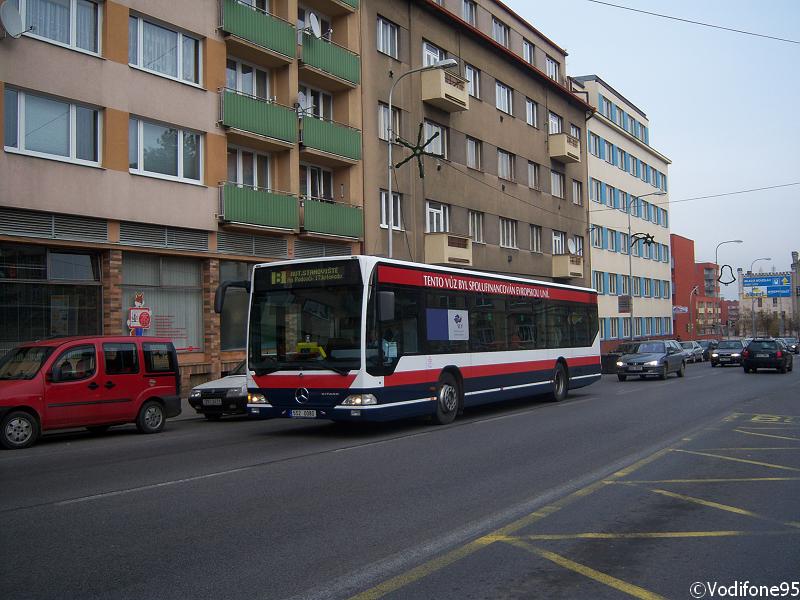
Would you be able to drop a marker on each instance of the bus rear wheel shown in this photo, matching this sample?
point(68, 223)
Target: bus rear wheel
point(447, 399)
point(560, 384)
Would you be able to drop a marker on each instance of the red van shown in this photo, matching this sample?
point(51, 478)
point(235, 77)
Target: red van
point(92, 382)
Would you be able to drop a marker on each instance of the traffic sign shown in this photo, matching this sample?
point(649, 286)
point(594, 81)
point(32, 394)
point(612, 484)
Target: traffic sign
point(767, 286)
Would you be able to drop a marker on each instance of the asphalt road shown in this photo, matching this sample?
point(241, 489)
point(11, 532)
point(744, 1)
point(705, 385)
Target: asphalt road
point(624, 489)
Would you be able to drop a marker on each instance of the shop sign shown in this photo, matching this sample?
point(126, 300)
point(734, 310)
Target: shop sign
point(139, 316)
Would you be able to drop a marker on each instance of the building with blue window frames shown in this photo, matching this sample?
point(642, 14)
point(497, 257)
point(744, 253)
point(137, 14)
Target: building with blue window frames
point(628, 195)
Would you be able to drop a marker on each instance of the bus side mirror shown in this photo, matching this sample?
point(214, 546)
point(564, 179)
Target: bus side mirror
point(385, 306)
point(219, 296)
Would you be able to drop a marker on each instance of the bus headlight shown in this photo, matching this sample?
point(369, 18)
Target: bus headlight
point(255, 398)
point(360, 400)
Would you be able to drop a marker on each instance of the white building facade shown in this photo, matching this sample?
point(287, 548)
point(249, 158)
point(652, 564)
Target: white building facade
point(629, 218)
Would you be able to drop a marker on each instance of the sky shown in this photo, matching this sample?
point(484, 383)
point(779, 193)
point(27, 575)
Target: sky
point(723, 106)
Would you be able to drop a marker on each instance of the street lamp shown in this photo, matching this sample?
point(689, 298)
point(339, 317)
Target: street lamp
point(439, 64)
point(717, 323)
point(630, 259)
point(753, 301)
point(692, 320)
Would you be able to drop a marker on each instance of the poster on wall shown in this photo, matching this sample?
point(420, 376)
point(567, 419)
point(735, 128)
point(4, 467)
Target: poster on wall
point(139, 316)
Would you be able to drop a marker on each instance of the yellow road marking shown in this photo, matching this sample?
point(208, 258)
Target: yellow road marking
point(726, 507)
point(740, 460)
point(652, 535)
point(768, 435)
point(436, 564)
point(750, 448)
point(762, 418)
point(605, 579)
point(708, 480)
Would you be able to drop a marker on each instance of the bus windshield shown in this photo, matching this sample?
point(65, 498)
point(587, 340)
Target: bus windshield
point(306, 316)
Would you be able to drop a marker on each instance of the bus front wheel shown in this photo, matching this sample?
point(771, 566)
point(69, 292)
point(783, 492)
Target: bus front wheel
point(447, 399)
point(560, 383)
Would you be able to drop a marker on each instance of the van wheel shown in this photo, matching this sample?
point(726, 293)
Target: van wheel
point(19, 429)
point(447, 399)
point(151, 417)
point(98, 428)
point(560, 383)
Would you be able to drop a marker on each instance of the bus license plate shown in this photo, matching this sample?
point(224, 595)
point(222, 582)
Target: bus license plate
point(303, 414)
point(212, 401)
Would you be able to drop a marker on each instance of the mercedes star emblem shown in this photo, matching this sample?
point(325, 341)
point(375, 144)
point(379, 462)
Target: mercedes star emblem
point(301, 395)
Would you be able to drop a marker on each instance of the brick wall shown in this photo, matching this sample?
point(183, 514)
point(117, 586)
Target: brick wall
point(113, 322)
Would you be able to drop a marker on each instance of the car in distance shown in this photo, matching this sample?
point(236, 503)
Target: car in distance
point(656, 358)
point(792, 344)
point(708, 347)
point(728, 352)
point(694, 351)
point(93, 382)
point(225, 396)
point(766, 353)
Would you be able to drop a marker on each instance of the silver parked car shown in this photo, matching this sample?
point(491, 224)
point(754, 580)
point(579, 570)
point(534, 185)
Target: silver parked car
point(694, 351)
point(225, 396)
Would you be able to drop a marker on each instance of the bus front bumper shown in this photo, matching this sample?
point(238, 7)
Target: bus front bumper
point(375, 412)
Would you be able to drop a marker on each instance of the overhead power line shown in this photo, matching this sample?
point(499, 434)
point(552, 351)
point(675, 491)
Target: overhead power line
point(653, 14)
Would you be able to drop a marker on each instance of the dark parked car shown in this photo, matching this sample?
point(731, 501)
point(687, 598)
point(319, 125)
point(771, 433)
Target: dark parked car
point(708, 347)
point(728, 352)
point(651, 358)
point(694, 351)
point(792, 344)
point(766, 353)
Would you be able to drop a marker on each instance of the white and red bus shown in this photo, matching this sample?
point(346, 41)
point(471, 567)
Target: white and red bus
point(367, 338)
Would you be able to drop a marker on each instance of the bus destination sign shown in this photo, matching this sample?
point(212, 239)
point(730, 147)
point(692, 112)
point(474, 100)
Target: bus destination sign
point(308, 275)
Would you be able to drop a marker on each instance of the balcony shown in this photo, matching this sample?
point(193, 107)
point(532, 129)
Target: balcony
point(567, 266)
point(329, 143)
point(448, 249)
point(257, 123)
point(328, 65)
point(251, 207)
point(257, 36)
point(564, 148)
point(445, 90)
point(333, 218)
point(333, 8)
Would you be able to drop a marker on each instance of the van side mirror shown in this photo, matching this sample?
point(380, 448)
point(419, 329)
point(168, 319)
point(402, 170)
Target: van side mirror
point(385, 306)
point(219, 295)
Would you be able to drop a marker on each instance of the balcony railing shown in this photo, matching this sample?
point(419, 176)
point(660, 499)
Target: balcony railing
point(258, 207)
point(445, 90)
point(564, 147)
point(331, 58)
point(258, 27)
point(331, 137)
point(258, 116)
point(568, 266)
point(333, 218)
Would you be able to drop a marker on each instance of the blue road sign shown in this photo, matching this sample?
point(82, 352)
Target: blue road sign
point(767, 286)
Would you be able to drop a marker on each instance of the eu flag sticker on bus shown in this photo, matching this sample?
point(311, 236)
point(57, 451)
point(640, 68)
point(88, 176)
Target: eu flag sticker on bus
point(447, 325)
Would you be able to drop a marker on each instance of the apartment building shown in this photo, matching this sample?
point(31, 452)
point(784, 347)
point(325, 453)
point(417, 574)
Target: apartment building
point(695, 293)
point(629, 218)
point(153, 148)
point(508, 194)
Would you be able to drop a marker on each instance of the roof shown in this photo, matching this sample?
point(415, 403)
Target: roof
point(443, 12)
point(597, 78)
point(516, 15)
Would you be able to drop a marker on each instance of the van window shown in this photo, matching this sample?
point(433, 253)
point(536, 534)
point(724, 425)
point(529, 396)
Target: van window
point(158, 358)
point(121, 359)
point(75, 364)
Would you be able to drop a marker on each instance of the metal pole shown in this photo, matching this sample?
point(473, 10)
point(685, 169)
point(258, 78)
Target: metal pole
point(630, 267)
point(717, 325)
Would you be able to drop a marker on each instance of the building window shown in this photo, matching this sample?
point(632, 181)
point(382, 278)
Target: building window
point(70, 23)
point(439, 144)
point(575, 131)
point(557, 184)
point(248, 168)
point(431, 54)
point(637, 286)
point(578, 240)
point(623, 243)
point(172, 290)
point(315, 103)
point(611, 195)
point(536, 238)
point(505, 165)
point(605, 107)
point(246, 79)
point(164, 151)
point(555, 123)
point(597, 236)
point(527, 51)
point(531, 112)
point(438, 217)
point(500, 32)
point(470, 12)
point(388, 128)
point(387, 37)
point(647, 283)
point(233, 320)
point(626, 327)
point(599, 280)
point(533, 176)
point(603, 330)
point(594, 144)
point(559, 242)
point(474, 153)
point(595, 190)
point(577, 192)
point(621, 158)
point(552, 68)
point(49, 128)
point(397, 220)
point(163, 51)
point(614, 324)
point(316, 183)
point(612, 240)
point(476, 226)
point(508, 233)
point(473, 77)
point(626, 284)
point(609, 152)
point(504, 98)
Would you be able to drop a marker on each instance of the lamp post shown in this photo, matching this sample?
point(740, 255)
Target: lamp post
point(753, 300)
point(692, 323)
point(439, 64)
point(717, 323)
point(630, 259)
